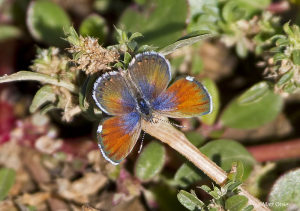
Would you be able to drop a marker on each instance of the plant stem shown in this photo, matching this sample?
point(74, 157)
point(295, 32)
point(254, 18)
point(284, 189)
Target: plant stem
point(177, 140)
point(33, 76)
point(276, 151)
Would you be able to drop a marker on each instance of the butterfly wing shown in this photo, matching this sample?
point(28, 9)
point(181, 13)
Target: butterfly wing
point(118, 135)
point(151, 73)
point(112, 94)
point(186, 97)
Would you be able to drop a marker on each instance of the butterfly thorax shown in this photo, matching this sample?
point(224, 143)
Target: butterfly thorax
point(144, 108)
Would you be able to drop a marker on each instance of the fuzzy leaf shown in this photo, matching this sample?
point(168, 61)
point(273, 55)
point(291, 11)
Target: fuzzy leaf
point(7, 179)
point(195, 138)
point(187, 175)
point(285, 193)
point(189, 201)
point(150, 162)
point(224, 152)
point(46, 20)
point(162, 22)
point(189, 39)
point(296, 57)
point(94, 26)
point(255, 93)
point(285, 77)
point(9, 32)
point(33, 76)
point(237, 171)
point(42, 96)
point(212, 88)
point(252, 115)
point(236, 203)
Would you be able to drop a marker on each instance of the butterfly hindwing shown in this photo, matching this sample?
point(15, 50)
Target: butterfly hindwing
point(151, 73)
point(118, 135)
point(186, 97)
point(112, 94)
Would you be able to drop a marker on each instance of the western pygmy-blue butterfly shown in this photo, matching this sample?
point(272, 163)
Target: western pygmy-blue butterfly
point(141, 92)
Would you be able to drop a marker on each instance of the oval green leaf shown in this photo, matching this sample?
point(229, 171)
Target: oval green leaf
point(189, 200)
point(285, 193)
point(46, 20)
point(94, 26)
point(42, 96)
point(189, 39)
point(236, 203)
point(255, 93)
point(7, 180)
point(162, 22)
point(224, 152)
point(252, 115)
point(150, 162)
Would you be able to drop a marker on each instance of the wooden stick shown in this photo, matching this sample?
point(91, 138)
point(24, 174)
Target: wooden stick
point(166, 133)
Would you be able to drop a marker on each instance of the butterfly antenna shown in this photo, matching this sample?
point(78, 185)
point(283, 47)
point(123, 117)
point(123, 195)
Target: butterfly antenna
point(141, 146)
point(167, 121)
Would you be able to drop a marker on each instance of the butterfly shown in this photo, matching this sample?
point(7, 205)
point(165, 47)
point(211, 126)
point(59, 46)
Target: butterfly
point(139, 93)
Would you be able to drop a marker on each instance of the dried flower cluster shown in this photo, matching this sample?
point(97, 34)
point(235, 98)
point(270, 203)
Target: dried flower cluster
point(91, 57)
point(51, 62)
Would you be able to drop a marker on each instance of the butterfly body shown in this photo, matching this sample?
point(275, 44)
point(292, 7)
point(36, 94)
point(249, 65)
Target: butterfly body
point(141, 93)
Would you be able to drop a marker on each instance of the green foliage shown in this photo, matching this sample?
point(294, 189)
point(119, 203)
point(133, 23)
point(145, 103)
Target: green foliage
point(94, 26)
point(45, 21)
point(222, 152)
point(150, 162)
point(223, 198)
point(256, 107)
point(285, 192)
point(185, 41)
point(9, 32)
point(189, 200)
point(7, 180)
point(43, 96)
point(161, 22)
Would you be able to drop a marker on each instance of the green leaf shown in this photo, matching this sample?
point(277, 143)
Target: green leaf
point(185, 41)
point(187, 175)
point(195, 138)
point(46, 20)
point(127, 58)
point(94, 26)
point(252, 115)
point(33, 76)
point(285, 193)
point(42, 96)
point(237, 171)
point(150, 162)
point(165, 197)
point(161, 22)
point(212, 88)
point(255, 93)
point(236, 203)
point(296, 56)
point(224, 152)
point(197, 65)
point(189, 201)
point(285, 77)
point(7, 180)
point(9, 32)
point(86, 102)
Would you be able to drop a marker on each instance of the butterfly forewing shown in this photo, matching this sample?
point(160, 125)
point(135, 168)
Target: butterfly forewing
point(118, 135)
point(112, 94)
point(151, 74)
point(186, 97)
